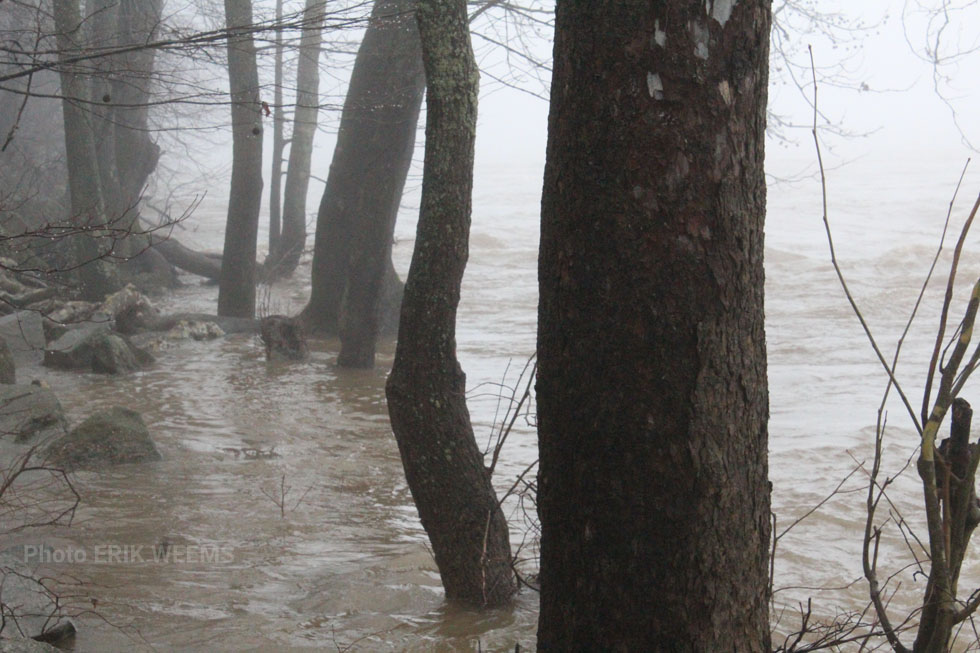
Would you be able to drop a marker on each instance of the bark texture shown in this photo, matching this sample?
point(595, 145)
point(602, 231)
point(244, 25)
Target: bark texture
point(426, 389)
point(652, 394)
point(356, 220)
point(236, 289)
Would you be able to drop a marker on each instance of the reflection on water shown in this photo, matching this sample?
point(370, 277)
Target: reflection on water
point(289, 473)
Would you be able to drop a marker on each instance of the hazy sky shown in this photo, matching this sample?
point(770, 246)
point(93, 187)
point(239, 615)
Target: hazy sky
point(898, 117)
point(900, 105)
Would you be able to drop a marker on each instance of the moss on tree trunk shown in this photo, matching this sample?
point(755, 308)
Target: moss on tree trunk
point(426, 389)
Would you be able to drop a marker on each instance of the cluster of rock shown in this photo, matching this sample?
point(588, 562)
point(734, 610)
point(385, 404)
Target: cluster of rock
point(112, 337)
point(32, 416)
point(77, 336)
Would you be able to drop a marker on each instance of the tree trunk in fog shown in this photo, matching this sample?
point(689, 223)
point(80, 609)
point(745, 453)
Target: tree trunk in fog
point(426, 389)
point(652, 396)
point(293, 239)
point(370, 274)
point(93, 243)
point(355, 224)
point(236, 290)
point(101, 26)
point(278, 147)
point(136, 153)
point(127, 155)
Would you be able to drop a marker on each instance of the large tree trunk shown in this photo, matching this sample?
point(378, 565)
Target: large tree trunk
point(127, 154)
point(370, 274)
point(367, 176)
point(652, 396)
point(293, 239)
point(93, 242)
point(236, 290)
point(426, 388)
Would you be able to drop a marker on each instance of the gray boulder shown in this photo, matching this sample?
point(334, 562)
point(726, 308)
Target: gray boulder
point(95, 347)
point(8, 371)
point(110, 437)
point(30, 609)
point(24, 645)
point(72, 350)
point(24, 333)
point(112, 355)
point(29, 413)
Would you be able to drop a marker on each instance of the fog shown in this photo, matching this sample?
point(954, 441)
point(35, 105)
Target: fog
point(345, 561)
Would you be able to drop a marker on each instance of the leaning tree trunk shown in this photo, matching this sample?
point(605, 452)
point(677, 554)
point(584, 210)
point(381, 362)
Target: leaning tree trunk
point(369, 272)
point(426, 389)
point(652, 395)
point(374, 151)
point(293, 238)
point(92, 242)
point(236, 290)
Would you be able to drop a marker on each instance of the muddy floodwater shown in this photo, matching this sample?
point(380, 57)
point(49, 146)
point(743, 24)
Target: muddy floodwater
point(280, 519)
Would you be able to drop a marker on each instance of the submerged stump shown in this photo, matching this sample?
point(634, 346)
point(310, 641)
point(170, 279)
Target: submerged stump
point(284, 338)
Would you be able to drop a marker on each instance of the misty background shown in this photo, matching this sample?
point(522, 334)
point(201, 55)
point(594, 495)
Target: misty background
point(897, 125)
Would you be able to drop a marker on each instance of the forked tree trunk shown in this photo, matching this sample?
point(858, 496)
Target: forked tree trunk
point(426, 388)
point(130, 150)
point(293, 238)
point(236, 290)
point(136, 153)
point(652, 395)
point(367, 176)
point(91, 244)
point(370, 274)
point(954, 463)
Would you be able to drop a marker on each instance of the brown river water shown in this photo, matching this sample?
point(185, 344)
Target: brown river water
point(344, 564)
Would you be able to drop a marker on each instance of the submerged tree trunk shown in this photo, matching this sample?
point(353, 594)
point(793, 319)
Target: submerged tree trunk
point(426, 389)
point(293, 238)
point(370, 273)
point(652, 396)
point(367, 176)
point(93, 242)
point(236, 290)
